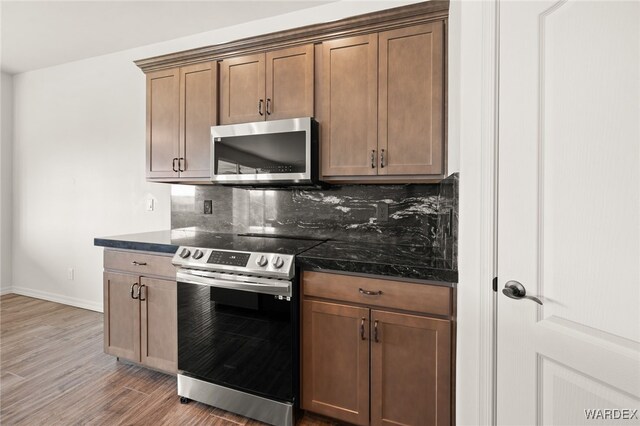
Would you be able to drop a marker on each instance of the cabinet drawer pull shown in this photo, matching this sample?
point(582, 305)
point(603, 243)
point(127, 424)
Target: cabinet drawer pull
point(369, 292)
point(362, 329)
point(375, 331)
point(132, 286)
point(181, 164)
point(140, 293)
point(136, 263)
point(173, 166)
point(268, 106)
point(260, 107)
point(382, 158)
point(373, 158)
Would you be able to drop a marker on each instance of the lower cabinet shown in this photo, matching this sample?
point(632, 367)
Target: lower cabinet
point(335, 361)
point(140, 312)
point(367, 365)
point(159, 324)
point(410, 369)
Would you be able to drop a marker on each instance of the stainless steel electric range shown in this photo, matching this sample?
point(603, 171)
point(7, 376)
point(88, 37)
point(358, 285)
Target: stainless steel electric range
point(238, 331)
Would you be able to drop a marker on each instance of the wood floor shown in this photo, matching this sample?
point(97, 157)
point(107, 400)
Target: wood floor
point(53, 372)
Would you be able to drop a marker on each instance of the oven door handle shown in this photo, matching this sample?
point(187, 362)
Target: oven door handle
point(277, 288)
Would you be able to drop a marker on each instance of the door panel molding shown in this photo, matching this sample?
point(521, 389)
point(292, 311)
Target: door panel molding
point(541, 132)
point(566, 140)
point(555, 332)
point(555, 374)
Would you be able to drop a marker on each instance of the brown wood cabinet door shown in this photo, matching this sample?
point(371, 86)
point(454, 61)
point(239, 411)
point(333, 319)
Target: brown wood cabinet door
point(159, 324)
point(349, 102)
point(410, 370)
point(289, 83)
point(335, 361)
point(198, 112)
point(242, 89)
point(163, 124)
point(411, 96)
point(121, 316)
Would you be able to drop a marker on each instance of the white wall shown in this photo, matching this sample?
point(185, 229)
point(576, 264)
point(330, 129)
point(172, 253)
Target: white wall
point(6, 143)
point(79, 159)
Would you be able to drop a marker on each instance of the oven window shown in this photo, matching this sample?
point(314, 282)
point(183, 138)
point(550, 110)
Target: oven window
point(236, 339)
point(260, 154)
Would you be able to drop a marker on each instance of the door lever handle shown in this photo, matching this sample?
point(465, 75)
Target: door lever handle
point(515, 290)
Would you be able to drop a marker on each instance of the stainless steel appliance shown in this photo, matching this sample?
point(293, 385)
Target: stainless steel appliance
point(238, 332)
point(279, 152)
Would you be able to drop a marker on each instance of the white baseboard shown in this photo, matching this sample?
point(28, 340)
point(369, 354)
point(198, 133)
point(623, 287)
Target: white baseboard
point(58, 298)
point(6, 290)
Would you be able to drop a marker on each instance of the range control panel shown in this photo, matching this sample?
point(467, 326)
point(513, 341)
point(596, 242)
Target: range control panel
point(258, 264)
point(229, 258)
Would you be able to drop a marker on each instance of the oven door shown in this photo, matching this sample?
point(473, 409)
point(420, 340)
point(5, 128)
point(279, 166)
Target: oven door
point(237, 337)
point(269, 152)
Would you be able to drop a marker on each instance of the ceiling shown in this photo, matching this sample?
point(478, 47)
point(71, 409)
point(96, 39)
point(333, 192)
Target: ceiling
point(38, 34)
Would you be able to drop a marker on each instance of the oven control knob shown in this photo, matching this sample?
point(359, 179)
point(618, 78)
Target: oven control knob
point(262, 260)
point(277, 262)
point(185, 253)
point(198, 254)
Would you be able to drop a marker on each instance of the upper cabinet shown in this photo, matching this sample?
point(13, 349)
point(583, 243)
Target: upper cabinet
point(267, 86)
point(411, 101)
point(181, 108)
point(163, 123)
point(375, 83)
point(383, 106)
point(349, 106)
point(242, 82)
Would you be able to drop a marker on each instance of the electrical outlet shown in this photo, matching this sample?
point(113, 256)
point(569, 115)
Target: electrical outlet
point(70, 274)
point(151, 204)
point(382, 212)
point(208, 206)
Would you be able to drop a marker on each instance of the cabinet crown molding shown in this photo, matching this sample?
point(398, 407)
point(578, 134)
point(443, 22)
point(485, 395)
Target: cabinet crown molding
point(317, 33)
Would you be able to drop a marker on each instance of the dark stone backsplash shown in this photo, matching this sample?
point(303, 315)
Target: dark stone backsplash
point(424, 215)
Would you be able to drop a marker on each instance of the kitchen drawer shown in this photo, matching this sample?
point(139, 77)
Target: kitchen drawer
point(140, 263)
point(423, 298)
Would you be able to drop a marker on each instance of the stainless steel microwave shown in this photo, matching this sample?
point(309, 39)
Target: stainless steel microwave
point(273, 153)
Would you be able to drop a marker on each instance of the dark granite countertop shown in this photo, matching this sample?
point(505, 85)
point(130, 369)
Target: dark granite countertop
point(169, 241)
point(157, 241)
point(401, 261)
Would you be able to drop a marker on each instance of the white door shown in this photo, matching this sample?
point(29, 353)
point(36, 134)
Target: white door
point(569, 212)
